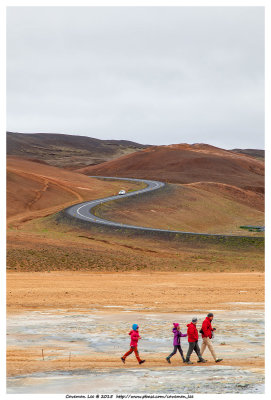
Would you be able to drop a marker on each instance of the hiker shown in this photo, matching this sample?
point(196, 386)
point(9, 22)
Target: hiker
point(134, 339)
point(193, 338)
point(177, 342)
point(207, 334)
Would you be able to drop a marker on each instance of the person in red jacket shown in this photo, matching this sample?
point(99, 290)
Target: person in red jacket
point(133, 344)
point(207, 334)
point(193, 338)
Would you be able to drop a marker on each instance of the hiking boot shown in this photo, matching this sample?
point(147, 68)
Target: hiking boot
point(123, 360)
point(188, 362)
point(142, 361)
point(219, 359)
point(168, 360)
point(202, 360)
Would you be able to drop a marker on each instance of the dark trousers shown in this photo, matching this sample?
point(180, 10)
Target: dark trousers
point(177, 347)
point(193, 346)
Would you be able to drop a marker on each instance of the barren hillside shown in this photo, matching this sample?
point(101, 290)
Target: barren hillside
point(183, 163)
point(35, 189)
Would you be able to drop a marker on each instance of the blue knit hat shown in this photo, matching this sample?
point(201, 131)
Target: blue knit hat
point(135, 326)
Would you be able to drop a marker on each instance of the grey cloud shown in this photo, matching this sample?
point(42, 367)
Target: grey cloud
point(155, 75)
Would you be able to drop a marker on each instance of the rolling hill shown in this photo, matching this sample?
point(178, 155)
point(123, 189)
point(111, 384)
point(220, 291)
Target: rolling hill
point(184, 163)
point(35, 190)
point(195, 207)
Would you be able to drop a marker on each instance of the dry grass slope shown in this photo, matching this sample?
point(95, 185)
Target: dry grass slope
point(198, 207)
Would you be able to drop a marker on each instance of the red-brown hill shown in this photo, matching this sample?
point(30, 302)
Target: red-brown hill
point(184, 163)
point(35, 190)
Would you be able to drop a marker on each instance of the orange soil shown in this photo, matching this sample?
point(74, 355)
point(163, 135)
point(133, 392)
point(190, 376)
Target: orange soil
point(185, 163)
point(21, 361)
point(161, 291)
point(35, 190)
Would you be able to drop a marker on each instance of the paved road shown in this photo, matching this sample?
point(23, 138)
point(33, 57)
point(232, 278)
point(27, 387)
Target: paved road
point(83, 211)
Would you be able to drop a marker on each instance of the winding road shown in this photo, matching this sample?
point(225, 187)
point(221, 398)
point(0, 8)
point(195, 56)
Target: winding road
point(84, 211)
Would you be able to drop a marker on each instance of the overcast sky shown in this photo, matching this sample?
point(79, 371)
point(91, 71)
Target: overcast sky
point(154, 75)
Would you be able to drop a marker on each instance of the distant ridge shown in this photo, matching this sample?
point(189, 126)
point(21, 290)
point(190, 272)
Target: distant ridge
point(68, 151)
point(251, 152)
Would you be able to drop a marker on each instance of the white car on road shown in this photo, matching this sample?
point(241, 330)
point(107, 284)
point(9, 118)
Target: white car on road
point(122, 192)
